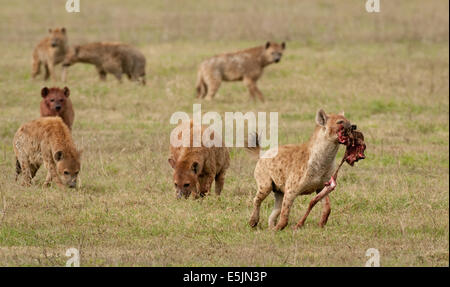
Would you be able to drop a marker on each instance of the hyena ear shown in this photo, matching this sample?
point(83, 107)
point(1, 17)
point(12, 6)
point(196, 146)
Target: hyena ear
point(63, 30)
point(321, 118)
point(267, 45)
point(283, 45)
point(77, 50)
point(44, 92)
point(342, 114)
point(171, 162)
point(195, 167)
point(50, 30)
point(58, 155)
point(66, 91)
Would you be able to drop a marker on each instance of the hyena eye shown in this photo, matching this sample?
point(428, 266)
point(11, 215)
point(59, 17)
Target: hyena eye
point(340, 122)
point(176, 185)
point(66, 172)
point(52, 100)
point(186, 185)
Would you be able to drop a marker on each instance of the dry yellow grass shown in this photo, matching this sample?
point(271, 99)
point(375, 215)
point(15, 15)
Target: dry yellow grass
point(389, 73)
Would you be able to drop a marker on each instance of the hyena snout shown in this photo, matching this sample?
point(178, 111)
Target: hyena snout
point(72, 183)
point(183, 190)
point(277, 57)
point(183, 193)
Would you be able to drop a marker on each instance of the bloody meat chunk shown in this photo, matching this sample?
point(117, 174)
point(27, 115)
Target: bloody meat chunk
point(354, 142)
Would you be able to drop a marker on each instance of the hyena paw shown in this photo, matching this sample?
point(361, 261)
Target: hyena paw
point(253, 222)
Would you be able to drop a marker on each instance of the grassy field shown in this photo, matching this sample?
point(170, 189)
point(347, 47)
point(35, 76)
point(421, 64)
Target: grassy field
point(389, 72)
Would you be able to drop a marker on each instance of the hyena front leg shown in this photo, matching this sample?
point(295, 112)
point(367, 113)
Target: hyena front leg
point(212, 86)
point(101, 74)
point(253, 88)
point(118, 76)
point(205, 184)
point(258, 93)
point(47, 71)
point(33, 169)
point(114, 67)
point(51, 174)
point(36, 70)
point(326, 211)
point(51, 70)
point(48, 179)
point(323, 193)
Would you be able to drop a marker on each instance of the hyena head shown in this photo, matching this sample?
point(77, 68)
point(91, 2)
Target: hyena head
point(334, 126)
point(68, 166)
point(58, 37)
point(71, 56)
point(273, 52)
point(55, 99)
point(185, 178)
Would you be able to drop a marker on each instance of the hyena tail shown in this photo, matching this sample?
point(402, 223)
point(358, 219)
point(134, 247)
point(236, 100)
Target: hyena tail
point(201, 86)
point(18, 168)
point(252, 144)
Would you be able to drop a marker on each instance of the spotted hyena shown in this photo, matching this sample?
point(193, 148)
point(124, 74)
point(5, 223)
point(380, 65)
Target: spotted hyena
point(56, 102)
point(50, 52)
point(109, 57)
point(246, 65)
point(195, 168)
point(46, 141)
point(299, 170)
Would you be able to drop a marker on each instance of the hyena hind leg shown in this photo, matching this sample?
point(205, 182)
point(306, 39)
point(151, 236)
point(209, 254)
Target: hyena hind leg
point(18, 169)
point(142, 80)
point(264, 189)
point(201, 88)
point(220, 180)
point(276, 209)
point(25, 170)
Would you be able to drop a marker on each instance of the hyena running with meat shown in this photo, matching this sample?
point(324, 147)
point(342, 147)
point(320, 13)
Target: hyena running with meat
point(299, 170)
